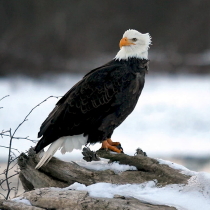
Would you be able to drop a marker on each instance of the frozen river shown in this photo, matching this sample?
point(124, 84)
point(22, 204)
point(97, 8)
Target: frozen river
point(172, 116)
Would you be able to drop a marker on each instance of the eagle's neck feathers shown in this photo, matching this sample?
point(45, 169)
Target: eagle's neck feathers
point(124, 54)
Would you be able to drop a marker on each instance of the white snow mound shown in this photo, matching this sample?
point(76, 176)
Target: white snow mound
point(192, 196)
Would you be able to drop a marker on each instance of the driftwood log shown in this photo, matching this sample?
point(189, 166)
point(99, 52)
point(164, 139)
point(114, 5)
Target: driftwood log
point(61, 174)
point(47, 198)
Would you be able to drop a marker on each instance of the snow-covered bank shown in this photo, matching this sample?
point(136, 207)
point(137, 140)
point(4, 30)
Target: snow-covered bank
point(171, 117)
point(191, 196)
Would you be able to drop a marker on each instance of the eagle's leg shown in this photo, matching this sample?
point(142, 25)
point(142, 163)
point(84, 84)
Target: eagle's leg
point(106, 146)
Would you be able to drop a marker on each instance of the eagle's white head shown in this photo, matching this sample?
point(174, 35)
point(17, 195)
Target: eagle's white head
point(134, 44)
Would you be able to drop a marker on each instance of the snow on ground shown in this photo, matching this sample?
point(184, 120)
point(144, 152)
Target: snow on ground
point(104, 165)
point(182, 197)
point(22, 200)
point(171, 117)
point(193, 196)
point(176, 166)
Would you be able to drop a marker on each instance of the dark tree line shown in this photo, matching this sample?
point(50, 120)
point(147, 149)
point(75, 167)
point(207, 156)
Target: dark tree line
point(39, 36)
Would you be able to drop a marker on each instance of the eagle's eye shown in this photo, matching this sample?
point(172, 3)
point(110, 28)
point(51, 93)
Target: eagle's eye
point(134, 39)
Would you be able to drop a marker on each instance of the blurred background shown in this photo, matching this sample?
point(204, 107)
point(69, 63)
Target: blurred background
point(54, 36)
point(46, 46)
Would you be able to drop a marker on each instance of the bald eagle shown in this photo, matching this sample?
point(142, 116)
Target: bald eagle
point(91, 110)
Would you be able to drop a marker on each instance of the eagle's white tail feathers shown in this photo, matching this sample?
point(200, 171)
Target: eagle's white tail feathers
point(66, 144)
point(73, 142)
point(50, 152)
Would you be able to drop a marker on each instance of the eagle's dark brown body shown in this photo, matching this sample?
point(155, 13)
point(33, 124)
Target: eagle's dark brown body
point(97, 104)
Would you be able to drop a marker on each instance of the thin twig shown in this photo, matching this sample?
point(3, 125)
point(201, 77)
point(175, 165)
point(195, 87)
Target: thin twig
point(1, 181)
point(4, 97)
point(14, 164)
point(18, 184)
point(25, 119)
point(7, 169)
point(5, 131)
point(3, 196)
point(11, 158)
point(26, 138)
point(11, 148)
point(8, 178)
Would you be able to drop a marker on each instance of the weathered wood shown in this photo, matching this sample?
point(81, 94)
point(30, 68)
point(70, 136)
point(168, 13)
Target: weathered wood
point(61, 174)
point(73, 199)
point(58, 173)
point(12, 205)
point(148, 168)
point(26, 184)
point(48, 198)
point(34, 177)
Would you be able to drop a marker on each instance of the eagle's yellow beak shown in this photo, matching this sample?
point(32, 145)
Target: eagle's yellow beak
point(125, 42)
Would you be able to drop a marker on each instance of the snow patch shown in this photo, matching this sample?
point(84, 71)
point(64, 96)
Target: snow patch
point(22, 200)
point(193, 196)
point(176, 166)
point(104, 164)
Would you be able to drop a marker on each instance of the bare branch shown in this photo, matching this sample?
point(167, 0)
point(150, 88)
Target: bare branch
point(12, 156)
point(8, 164)
point(26, 138)
point(9, 148)
point(3, 132)
point(1, 181)
point(8, 178)
point(17, 187)
point(25, 119)
point(4, 97)
point(3, 196)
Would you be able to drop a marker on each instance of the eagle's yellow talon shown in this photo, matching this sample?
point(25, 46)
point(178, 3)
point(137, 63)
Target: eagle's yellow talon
point(109, 145)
